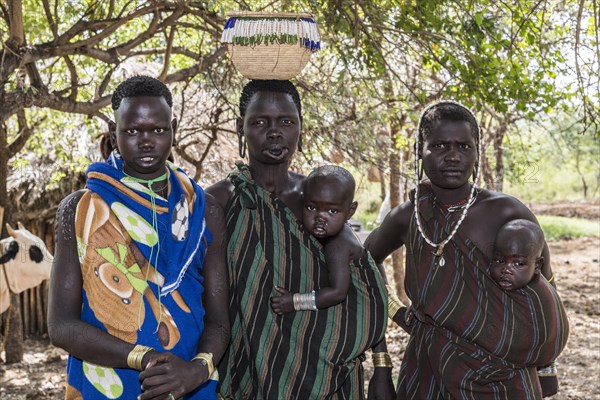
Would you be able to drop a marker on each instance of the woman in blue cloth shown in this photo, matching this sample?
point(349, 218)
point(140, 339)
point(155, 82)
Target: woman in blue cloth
point(139, 280)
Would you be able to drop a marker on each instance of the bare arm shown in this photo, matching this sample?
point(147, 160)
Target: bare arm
point(381, 243)
point(216, 333)
point(337, 257)
point(65, 327)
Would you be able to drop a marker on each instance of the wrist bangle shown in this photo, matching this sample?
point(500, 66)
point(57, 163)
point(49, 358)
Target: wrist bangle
point(207, 360)
point(135, 356)
point(393, 305)
point(382, 360)
point(305, 301)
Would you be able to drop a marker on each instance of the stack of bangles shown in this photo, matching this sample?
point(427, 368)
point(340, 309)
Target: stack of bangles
point(135, 356)
point(305, 301)
point(382, 360)
point(393, 302)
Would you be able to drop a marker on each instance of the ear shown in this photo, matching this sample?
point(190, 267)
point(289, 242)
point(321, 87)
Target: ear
point(112, 133)
point(539, 262)
point(352, 209)
point(174, 125)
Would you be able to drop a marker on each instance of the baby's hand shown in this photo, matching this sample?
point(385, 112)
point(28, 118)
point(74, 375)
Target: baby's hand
point(284, 303)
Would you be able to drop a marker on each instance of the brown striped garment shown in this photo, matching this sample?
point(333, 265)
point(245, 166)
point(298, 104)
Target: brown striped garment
point(300, 355)
point(470, 339)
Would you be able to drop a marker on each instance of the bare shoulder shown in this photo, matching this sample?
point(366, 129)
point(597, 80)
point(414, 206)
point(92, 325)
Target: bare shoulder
point(392, 233)
point(220, 192)
point(504, 206)
point(214, 211)
point(65, 217)
point(345, 242)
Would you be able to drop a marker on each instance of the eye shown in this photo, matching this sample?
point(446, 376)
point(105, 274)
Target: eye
point(259, 122)
point(131, 132)
point(333, 211)
point(287, 122)
point(465, 146)
point(160, 131)
point(35, 253)
point(437, 146)
point(310, 207)
point(498, 260)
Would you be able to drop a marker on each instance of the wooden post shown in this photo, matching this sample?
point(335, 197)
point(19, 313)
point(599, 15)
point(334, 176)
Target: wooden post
point(1, 217)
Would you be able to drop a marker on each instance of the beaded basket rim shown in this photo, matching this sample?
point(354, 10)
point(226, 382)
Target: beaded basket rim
point(254, 14)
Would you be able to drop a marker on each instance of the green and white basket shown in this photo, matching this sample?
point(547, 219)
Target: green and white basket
point(270, 45)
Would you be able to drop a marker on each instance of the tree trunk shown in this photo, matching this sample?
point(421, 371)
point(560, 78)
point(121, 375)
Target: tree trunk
point(395, 161)
point(13, 342)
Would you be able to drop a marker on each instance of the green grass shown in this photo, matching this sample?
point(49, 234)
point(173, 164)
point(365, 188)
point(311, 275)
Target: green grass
point(557, 228)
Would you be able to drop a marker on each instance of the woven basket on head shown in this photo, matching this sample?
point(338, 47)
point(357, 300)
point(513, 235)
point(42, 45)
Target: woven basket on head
point(270, 45)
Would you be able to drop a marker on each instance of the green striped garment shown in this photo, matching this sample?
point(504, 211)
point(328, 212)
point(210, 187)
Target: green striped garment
point(305, 354)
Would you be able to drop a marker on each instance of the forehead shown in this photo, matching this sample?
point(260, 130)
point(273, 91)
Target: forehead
point(518, 242)
point(327, 190)
point(145, 107)
point(271, 102)
point(451, 130)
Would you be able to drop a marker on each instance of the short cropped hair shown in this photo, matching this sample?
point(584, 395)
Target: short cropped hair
point(533, 230)
point(445, 110)
point(139, 86)
point(256, 86)
point(336, 174)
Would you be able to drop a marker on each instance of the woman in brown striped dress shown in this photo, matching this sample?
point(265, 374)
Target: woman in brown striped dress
point(468, 339)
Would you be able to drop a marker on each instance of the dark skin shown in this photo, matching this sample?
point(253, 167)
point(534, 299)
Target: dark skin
point(327, 207)
point(449, 154)
point(516, 260)
point(272, 122)
point(144, 132)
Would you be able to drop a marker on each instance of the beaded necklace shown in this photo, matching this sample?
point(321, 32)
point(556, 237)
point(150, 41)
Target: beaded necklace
point(439, 247)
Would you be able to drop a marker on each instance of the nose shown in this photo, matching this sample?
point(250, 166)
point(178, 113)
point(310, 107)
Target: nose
point(145, 141)
point(506, 269)
point(274, 131)
point(452, 154)
point(319, 217)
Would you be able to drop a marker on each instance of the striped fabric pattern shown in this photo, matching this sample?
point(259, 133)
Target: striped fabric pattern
point(301, 355)
point(471, 339)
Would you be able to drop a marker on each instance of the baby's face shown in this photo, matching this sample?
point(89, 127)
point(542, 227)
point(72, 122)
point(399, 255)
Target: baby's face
point(514, 264)
point(325, 210)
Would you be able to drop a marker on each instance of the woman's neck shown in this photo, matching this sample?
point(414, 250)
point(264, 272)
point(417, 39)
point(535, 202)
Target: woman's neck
point(274, 178)
point(452, 196)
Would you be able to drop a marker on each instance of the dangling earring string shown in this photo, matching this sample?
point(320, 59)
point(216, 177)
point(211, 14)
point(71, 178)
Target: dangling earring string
point(439, 247)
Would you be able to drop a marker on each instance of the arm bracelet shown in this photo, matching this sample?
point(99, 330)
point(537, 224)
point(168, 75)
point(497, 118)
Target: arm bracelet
point(382, 360)
point(207, 360)
point(305, 301)
point(135, 356)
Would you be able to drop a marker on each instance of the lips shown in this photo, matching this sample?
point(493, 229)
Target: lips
point(505, 283)
point(319, 230)
point(276, 151)
point(146, 159)
point(452, 172)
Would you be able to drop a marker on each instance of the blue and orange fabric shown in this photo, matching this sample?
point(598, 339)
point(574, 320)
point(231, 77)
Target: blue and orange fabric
point(300, 355)
point(141, 271)
point(470, 339)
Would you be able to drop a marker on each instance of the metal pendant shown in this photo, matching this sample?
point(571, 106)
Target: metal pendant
point(442, 261)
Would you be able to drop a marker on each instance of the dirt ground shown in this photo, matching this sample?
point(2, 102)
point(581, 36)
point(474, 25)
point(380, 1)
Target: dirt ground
point(577, 270)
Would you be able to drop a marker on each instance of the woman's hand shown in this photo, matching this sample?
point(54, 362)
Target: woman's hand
point(166, 373)
point(284, 303)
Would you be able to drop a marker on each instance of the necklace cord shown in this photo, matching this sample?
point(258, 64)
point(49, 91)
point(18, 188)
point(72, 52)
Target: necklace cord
point(153, 194)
